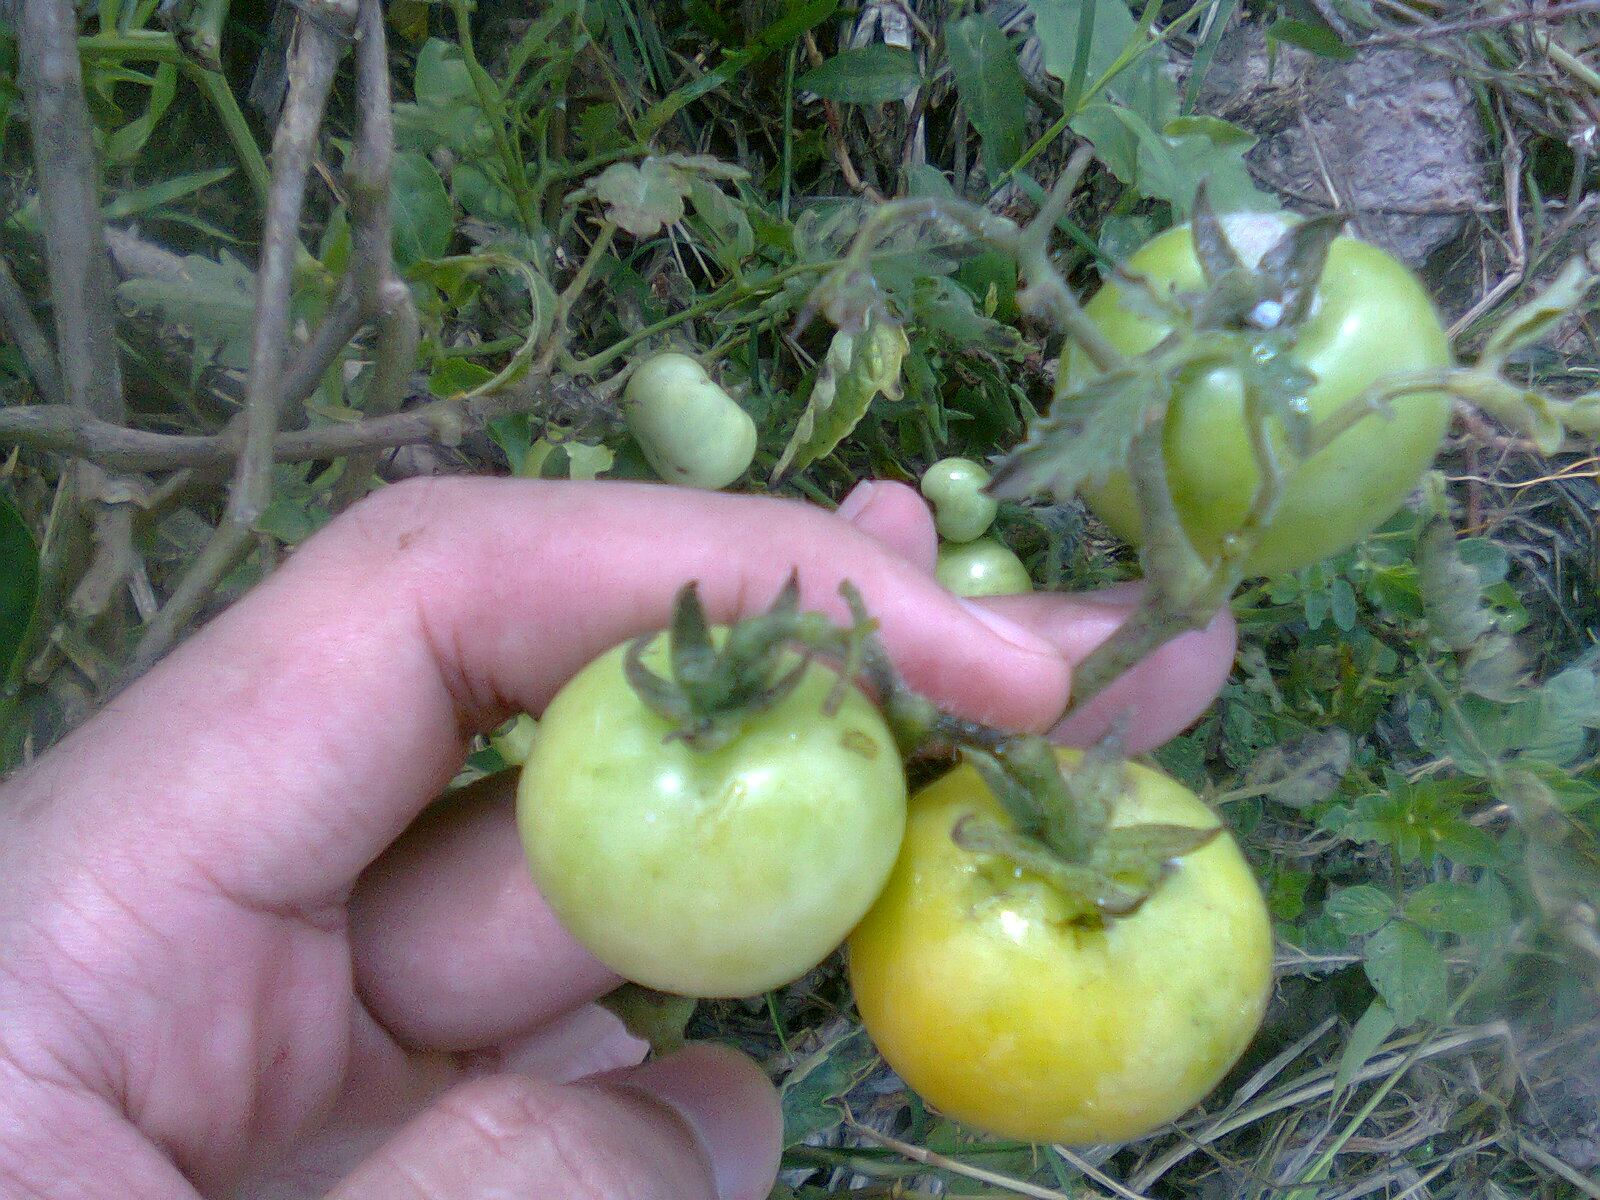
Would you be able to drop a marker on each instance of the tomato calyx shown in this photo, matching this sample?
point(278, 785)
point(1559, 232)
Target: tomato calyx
point(713, 687)
point(1059, 827)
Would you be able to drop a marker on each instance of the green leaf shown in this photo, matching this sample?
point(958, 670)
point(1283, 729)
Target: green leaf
point(1376, 1024)
point(875, 74)
point(1408, 972)
point(859, 365)
point(138, 201)
point(1418, 821)
point(722, 222)
point(126, 143)
point(991, 87)
point(1462, 908)
point(19, 584)
point(441, 76)
point(420, 210)
point(1360, 910)
point(1312, 36)
point(1170, 161)
point(1085, 436)
point(1084, 41)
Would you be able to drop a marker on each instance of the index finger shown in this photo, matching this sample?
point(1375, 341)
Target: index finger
point(283, 747)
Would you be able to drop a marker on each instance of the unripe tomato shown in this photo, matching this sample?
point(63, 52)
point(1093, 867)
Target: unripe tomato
point(1003, 1012)
point(1370, 318)
point(962, 510)
point(981, 568)
point(721, 872)
point(691, 431)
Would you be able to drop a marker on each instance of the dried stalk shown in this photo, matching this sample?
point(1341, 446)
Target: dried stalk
point(378, 287)
point(318, 46)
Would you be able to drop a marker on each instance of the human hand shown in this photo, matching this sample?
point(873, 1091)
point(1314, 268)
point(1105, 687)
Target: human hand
point(238, 958)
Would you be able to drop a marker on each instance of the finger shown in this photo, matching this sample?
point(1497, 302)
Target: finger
point(896, 516)
point(453, 948)
point(294, 738)
point(702, 1123)
point(1159, 697)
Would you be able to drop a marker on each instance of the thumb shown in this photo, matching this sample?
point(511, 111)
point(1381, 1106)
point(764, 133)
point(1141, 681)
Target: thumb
point(700, 1123)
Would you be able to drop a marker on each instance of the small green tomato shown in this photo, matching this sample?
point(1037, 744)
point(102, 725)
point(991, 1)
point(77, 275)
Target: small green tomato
point(691, 431)
point(961, 509)
point(981, 568)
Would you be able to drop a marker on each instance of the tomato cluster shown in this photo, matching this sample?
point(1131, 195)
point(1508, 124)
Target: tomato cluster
point(732, 868)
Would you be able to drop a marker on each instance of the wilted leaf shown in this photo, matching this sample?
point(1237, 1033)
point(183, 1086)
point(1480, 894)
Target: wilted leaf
point(723, 220)
point(640, 198)
point(1451, 594)
point(860, 364)
point(1533, 320)
point(1085, 436)
point(1303, 772)
point(810, 1092)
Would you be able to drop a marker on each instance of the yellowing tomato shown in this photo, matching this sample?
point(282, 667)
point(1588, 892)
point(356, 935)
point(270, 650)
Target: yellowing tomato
point(1371, 318)
point(1002, 1013)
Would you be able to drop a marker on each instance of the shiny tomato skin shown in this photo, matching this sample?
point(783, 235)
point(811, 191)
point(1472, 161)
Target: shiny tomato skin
point(709, 873)
point(984, 567)
point(1006, 1017)
point(1371, 319)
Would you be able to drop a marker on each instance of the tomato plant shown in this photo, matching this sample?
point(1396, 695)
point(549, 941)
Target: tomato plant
point(713, 859)
point(983, 567)
point(1007, 1007)
point(691, 431)
point(1369, 318)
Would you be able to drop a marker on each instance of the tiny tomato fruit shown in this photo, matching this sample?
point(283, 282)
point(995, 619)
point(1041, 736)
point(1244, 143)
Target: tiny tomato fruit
point(1004, 1013)
point(981, 568)
point(962, 510)
point(691, 431)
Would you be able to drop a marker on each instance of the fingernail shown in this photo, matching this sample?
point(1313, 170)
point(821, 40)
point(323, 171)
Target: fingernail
point(1008, 630)
point(731, 1107)
point(856, 502)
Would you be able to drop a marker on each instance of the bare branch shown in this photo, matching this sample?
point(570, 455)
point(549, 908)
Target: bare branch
point(16, 318)
point(318, 45)
point(377, 284)
point(81, 281)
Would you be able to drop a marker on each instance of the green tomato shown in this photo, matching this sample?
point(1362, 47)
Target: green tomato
point(710, 873)
point(691, 431)
point(1370, 318)
point(981, 568)
point(962, 510)
point(1003, 1012)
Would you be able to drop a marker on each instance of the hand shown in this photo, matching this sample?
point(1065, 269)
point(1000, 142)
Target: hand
point(238, 957)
